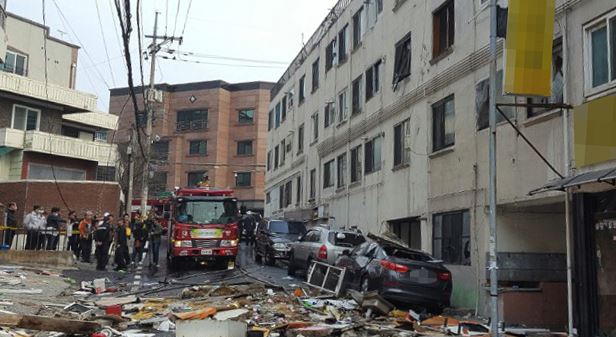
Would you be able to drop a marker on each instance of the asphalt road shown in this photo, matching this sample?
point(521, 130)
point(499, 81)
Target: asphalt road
point(163, 281)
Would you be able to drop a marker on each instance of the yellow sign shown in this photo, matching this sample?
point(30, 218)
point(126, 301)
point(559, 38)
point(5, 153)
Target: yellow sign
point(528, 47)
point(594, 125)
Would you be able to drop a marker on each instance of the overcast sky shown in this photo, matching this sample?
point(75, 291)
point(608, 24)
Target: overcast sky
point(267, 31)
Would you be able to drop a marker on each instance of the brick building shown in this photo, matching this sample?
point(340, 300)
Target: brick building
point(53, 142)
point(210, 128)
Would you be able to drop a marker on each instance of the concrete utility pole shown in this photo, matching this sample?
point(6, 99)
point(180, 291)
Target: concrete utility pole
point(131, 172)
point(150, 100)
point(493, 266)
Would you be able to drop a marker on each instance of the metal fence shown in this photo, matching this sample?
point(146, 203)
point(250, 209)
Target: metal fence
point(43, 239)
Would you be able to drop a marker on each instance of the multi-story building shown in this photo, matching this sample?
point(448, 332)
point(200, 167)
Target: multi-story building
point(213, 128)
point(381, 122)
point(53, 142)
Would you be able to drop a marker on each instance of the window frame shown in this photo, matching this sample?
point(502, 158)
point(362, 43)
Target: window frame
point(298, 190)
point(341, 170)
point(190, 144)
point(398, 76)
point(243, 173)
point(188, 174)
point(315, 74)
point(356, 164)
point(330, 55)
point(14, 70)
point(343, 104)
point(439, 107)
point(373, 81)
point(244, 141)
point(343, 44)
point(300, 139)
point(465, 221)
point(204, 121)
point(358, 27)
point(302, 90)
point(357, 104)
point(588, 29)
point(373, 162)
point(269, 160)
point(27, 110)
point(315, 126)
point(404, 157)
point(328, 174)
point(447, 9)
point(313, 184)
point(246, 122)
point(276, 157)
point(329, 115)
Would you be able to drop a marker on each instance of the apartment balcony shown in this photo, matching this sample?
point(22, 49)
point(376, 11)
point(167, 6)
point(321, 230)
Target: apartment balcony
point(103, 153)
point(25, 86)
point(191, 125)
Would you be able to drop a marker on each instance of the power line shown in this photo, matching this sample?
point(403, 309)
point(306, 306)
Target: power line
point(222, 57)
point(79, 41)
point(115, 28)
point(100, 25)
point(221, 64)
point(166, 16)
point(177, 14)
point(186, 19)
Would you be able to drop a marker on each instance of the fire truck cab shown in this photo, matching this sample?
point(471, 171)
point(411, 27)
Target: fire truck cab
point(204, 227)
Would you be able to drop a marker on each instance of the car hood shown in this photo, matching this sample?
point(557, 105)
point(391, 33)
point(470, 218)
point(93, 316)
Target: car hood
point(284, 238)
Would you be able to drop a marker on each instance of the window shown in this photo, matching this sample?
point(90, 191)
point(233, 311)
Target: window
point(105, 173)
point(313, 183)
point(48, 172)
point(557, 82)
point(402, 64)
point(302, 89)
point(15, 63)
point(289, 142)
point(443, 28)
point(372, 151)
point(158, 182)
point(101, 136)
point(281, 202)
point(269, 160)
point(482, 101)
point(160, 150)
point(330, 114)
point(328, 174)
point(343, 105)
point(357, 28)
point(195, 177)
point(315, 75)
point(246, 116)
point(315, 127)
point(288, 193)
point(283, 152)
point(198, 147)
point(443, 123)
point(342, 45)
point(268, 198)
point(283, 106)
point(298, 190)
point(402, 151)
point(277, 116)
point(373, 9)
point(355, 164)
point(373, 80)
point(452, 237)
point(270, 120)
point(243, 179)
point(244, 148)
point(25, 118)
point(601, 45)
point(356, 104)
point(276, 157)
point(330, 55)
point(341, 169)
point(290, 98)
point(300, 139)
point(191, 120)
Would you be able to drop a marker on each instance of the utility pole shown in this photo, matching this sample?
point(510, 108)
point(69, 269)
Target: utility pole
point(493, 266)
point(131, 172)
point(150, 100)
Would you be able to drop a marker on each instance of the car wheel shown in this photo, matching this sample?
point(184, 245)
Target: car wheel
point(269, 259)
point(291, 268)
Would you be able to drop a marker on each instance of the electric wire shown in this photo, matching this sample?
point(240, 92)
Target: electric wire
point(220, 64)
point(115, 28)
point(177, 14)
point(186, 19)
point(222, 57)
point(100, 26)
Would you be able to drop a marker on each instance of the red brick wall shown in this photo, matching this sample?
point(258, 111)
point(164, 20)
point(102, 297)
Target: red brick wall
point(80, 196)
point(56, 161)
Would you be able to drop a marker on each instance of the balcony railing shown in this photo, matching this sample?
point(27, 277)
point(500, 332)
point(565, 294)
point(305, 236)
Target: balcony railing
point(22, 85)
point(199, 124)
point(102, 153)
point(12, 138)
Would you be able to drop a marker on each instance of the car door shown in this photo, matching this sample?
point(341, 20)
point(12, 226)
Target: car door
point(300, 249)
point(314, 244)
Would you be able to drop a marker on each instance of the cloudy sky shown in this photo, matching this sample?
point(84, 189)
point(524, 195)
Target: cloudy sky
point(233, 40)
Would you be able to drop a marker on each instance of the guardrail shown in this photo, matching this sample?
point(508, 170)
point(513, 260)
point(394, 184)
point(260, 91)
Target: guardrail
point(191, 125)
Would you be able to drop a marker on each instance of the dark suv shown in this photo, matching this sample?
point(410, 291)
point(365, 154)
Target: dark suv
point(274, 237)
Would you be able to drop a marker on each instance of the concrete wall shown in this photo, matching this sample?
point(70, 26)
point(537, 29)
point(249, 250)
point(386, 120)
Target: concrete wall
point(28, 37)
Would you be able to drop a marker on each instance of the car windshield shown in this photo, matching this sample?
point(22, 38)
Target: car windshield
point(346, 239)
point(407, 254)
point(207, 211)
point(286, 227)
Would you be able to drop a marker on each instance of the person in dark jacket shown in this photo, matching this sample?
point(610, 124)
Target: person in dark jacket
point(102, 236)
point(54, 224)
point(11, 223)
point(72, 232)
point(139, 236)
point(121, 241)
point(155, 231)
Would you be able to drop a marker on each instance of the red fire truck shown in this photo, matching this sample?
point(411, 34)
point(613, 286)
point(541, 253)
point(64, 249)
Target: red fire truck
point(204, 227)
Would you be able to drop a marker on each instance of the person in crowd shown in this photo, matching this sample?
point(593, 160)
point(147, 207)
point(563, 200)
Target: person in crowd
point(11, 222)
point(54, 224)
point(121, 241)
point(249, 225)
point(102, 236)
point(33, 221)
point(129, 235)
point(155, 231)
point(86, 228)
point(42, 229)
point(139, 237)
point(72, 232)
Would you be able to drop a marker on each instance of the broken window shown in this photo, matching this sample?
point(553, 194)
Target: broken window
point(330, 55)
point(355, 164)
point(482, 101)
point(372, 157)
point(452, 237)
point(330, 114)
point(402, 64)
point(356, 104)
point(357, 28)
point(372, 80)
point(443, 29)
point(342, 45)
point(557, 82)
point(315, 75)
point(402, 152)
point(328, 174)
point(246, 116)
point(302, 89)
point(341, 169)
point(343, 105)
point(443, 123)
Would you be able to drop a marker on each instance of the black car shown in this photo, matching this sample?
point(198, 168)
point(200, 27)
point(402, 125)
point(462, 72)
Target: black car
point(273, 239)
point(400, 274)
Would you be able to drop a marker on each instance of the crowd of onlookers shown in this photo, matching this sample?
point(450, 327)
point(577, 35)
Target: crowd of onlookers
point(125, 238)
